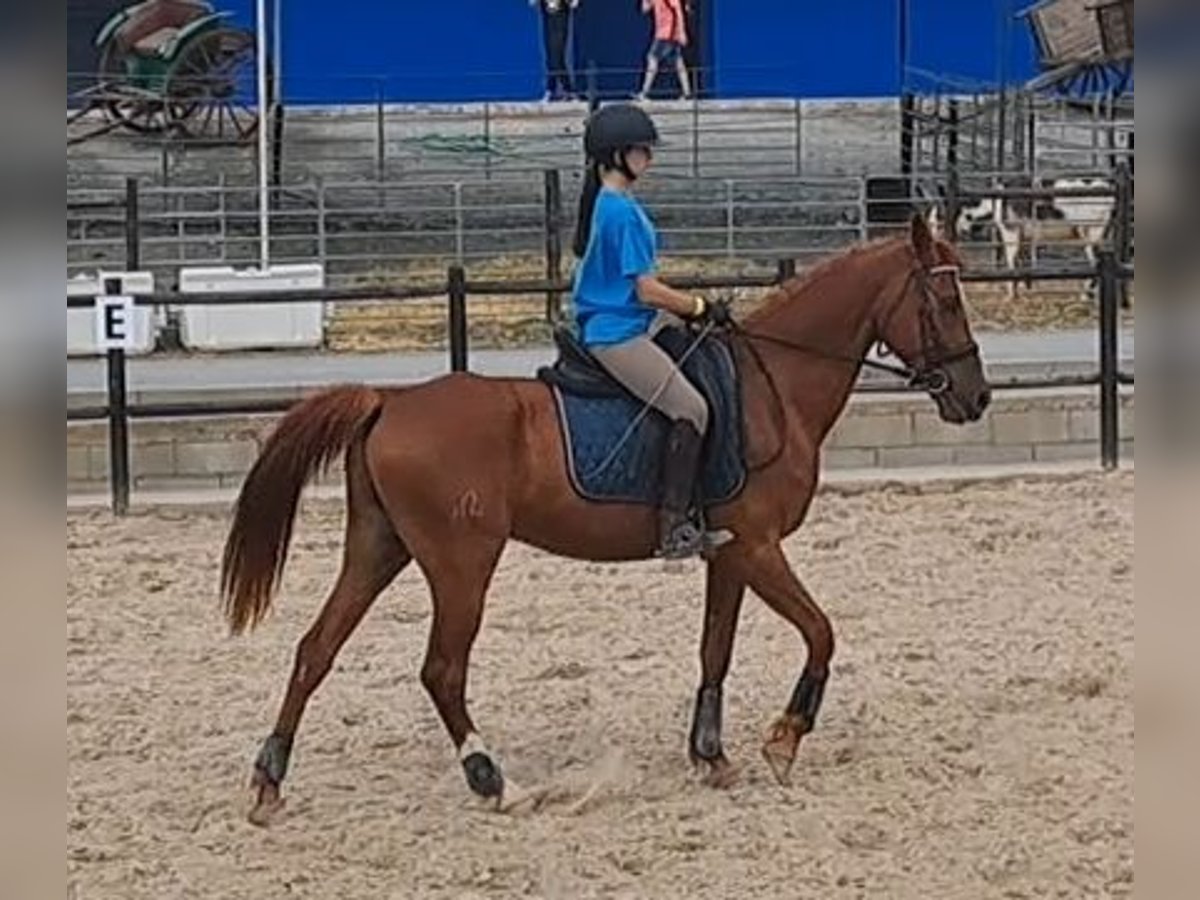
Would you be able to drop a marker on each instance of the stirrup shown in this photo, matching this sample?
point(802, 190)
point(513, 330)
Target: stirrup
point(683, 541)
point(689, 539)
point(702, 544)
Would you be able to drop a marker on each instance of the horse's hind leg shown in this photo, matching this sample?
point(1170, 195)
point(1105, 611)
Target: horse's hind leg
point(373, 556)
point(459, 573)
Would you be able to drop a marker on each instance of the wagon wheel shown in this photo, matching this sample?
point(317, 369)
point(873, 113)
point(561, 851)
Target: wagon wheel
point(211, 87)
point(136, 109)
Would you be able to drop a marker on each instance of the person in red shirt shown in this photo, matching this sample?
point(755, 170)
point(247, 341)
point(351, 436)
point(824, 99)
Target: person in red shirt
point(670, 37)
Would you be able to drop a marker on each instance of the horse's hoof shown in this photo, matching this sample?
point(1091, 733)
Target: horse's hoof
point(267, 804)
point(483, 775)
point(779, 749)
point(780, 763)
point(718, 773)
point(519, 800)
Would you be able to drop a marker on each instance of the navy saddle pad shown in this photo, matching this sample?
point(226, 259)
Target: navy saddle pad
point(595, 411)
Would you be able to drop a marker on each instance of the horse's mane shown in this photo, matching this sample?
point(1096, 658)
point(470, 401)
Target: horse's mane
point(819, 271)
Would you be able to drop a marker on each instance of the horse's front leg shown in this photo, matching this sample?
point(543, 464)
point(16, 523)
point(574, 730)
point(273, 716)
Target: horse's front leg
point(768, 573)
point(1011, 239)
point(722, 603)
point(1091, 287)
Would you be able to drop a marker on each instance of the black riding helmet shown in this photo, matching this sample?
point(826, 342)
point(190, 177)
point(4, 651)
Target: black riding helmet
point(609, 134)
point(613, 129)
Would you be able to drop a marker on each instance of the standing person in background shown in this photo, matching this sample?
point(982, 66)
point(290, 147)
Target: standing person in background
point(670, 37)
point(556, 28)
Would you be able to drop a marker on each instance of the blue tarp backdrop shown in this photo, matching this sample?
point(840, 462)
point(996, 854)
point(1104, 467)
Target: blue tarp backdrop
point(464, 50)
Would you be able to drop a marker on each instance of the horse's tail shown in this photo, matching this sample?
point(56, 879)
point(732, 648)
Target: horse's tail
point(304, 443)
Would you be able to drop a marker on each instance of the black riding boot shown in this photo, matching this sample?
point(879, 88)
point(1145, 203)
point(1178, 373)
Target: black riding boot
point(680, 535)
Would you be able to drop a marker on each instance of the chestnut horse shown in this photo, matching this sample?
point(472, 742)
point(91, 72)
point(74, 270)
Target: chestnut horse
point(446, 472)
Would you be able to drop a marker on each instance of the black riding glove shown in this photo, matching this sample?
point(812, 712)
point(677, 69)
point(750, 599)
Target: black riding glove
point(718, 312)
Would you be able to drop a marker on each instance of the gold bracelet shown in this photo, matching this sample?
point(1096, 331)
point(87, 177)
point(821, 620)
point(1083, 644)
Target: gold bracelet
point(701, 305)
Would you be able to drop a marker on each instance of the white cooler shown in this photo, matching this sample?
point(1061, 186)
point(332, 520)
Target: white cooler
point(252, 326)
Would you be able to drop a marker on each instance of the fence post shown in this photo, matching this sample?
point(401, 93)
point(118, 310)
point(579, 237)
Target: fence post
point(118, 400)
point(1108, 274)
point(487, 140)
point(459, 236)
point(799, 117)
point(1001, 128)
point(907, 133)
point(785, 269)
point(1123, 224)
point(864, 205)
point(322, 233)
point(935, 152)
point(223, 214)
point(975, 120)
point(593, 93)
point(118, 422)
point(457, 281)
point(277, 112)
point(729, 218)
point(1018, 131)
point(1031, 138)
point(953, 205)
point(380, 136)
point(133, 226)
point(553, 227)
point(952, 136)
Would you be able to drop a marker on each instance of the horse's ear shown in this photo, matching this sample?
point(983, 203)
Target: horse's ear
point(933, 219)
point(922, 239)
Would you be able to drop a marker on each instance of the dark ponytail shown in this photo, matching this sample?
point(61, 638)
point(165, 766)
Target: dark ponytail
point(587, 204)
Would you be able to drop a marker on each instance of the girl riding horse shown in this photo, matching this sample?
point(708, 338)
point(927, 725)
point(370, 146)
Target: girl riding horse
point(620, 304)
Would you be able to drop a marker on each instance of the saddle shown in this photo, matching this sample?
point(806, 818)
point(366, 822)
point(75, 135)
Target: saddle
point(608, 462)
point(577, 371)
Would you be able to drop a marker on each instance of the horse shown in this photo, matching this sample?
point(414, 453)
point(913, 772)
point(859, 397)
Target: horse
point(1025, 223)
point(447, 471)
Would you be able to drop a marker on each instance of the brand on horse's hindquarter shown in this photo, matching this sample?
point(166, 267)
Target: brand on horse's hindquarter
point(468, 505)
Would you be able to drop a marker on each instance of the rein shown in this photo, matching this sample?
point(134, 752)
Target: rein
point(911, 376)
point(648, 405)
point(928, 377)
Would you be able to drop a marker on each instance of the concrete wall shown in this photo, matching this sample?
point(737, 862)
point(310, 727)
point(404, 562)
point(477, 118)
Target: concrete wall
point(885, 431)
point(1020, 426)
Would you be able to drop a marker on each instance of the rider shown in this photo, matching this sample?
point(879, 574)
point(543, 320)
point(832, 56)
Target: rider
point(619, 304)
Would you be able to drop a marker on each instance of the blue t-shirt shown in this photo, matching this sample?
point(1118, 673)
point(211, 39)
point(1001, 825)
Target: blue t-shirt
point(621, 247)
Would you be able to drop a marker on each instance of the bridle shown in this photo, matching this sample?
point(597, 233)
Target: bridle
point(927, 374)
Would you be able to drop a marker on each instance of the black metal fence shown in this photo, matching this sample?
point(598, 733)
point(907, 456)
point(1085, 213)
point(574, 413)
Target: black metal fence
point(1110, 273)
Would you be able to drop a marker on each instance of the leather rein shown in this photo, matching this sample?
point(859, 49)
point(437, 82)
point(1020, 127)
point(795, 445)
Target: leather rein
point(928, 375)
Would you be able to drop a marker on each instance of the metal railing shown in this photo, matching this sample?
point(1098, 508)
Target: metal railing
point(448, 142)
point(979, 128)
point(375, 231)
point(456, 287)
